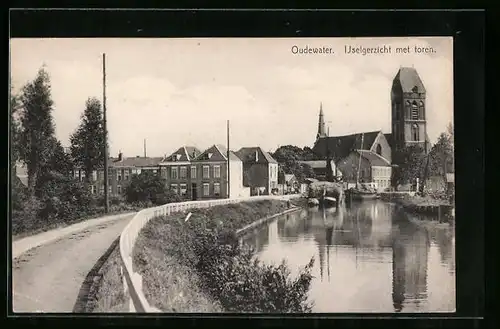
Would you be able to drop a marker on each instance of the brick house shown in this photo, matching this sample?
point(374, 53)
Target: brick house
point(180, 172)
point(374, 169)
point(211, 175)
point(120, 171)
point(260, 170)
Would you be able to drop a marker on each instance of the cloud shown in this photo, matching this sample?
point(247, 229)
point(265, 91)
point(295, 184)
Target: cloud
point(182, 91)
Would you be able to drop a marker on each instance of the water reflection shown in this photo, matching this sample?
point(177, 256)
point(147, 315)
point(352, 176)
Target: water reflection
point(370, 258)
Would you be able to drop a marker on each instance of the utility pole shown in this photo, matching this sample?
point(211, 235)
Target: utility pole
point(228, 162)
point(106, 181)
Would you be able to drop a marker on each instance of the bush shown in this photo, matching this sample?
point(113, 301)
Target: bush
point(207, 244)
point(149, 187)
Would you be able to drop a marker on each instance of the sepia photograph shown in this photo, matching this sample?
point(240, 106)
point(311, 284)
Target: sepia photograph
point(232, 175)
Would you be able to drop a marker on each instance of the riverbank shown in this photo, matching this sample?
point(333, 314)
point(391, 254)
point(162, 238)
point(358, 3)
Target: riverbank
point(426, 205)
point(198, 265)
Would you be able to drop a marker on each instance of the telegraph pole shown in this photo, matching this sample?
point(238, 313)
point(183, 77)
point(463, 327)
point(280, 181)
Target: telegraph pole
point(106, 181)
point(228, 162)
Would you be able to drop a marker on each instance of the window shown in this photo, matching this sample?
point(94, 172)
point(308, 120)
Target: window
point(379, 149)
point(119, 175)
point(216, 189)
point(173, 173)
point(206, 171)
point(206, 189)
point(173, 188)
point(119, 189)
point(76, 174)
point(415, 132)
point(183, 172)
point(183, 190)
point(94, 175)
point(414, 111)
point(101, 189)
point(216, 171)
point(109, 189)
point(82, 175)
point(93, 189)
point(193, 172)
point(155, 171)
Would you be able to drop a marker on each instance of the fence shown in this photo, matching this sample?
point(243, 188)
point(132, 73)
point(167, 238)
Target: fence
point(132, 282)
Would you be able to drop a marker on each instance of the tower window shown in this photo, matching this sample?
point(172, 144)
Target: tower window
point(414, 111)
point(415, 132)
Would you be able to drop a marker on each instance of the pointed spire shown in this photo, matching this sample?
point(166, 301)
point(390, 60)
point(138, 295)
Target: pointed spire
point(320, 108)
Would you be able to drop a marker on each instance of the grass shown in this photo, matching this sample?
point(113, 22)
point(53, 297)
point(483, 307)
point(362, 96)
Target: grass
point(107, 293)
point(164, 253)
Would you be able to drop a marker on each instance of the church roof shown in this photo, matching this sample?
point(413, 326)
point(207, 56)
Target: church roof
point(408, 79)
point(340, 146)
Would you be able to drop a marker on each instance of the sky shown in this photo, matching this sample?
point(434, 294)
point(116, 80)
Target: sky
point(175, 92)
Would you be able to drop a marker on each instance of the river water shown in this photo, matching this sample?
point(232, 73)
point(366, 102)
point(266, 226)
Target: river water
point(369, 257)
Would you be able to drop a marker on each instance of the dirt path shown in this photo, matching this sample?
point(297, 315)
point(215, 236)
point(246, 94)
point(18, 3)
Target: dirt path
point(48, 278)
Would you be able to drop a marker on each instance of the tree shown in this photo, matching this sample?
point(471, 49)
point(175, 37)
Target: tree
point(87, 142)
point(289, 156)
point(15, 131)
point(37, 126)
point(441, 155)
point(411, 162)
point(147, 187)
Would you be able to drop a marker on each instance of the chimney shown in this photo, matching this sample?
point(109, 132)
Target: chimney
point(256, 156)
point(120, 156)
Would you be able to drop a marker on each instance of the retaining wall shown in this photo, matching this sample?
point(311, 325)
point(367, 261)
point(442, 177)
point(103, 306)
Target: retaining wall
point(132, 281)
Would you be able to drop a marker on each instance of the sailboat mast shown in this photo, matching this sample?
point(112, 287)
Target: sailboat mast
point(359, 164)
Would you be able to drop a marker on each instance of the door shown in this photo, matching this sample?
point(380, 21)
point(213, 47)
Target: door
point(194, 192)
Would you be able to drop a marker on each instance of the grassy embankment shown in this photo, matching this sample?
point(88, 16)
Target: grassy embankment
point(427, 205)
point(197, 266)
point(36, 227)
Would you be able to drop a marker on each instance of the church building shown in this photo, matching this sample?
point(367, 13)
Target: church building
point(377, 149)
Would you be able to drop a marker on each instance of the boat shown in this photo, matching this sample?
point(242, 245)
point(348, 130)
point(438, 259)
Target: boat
point(328, 201)
point(360, 194)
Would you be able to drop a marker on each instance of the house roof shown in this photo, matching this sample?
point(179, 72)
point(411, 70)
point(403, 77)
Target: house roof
point(408, 79)
point(136, 162)
point(247, 154)
point(185, 153)
point(340, 146)
point(374, 158)
point(218, 153)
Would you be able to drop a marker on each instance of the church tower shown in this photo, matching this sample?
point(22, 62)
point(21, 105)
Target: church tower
point(321, 123)
point(409, 120)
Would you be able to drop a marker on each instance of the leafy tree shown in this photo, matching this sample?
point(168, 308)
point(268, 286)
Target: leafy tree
point(441, 155)
point(37, 126)
point(289, 156)
point(147, 187)
point(15, 131)
point(411, 162)
point(87, 142)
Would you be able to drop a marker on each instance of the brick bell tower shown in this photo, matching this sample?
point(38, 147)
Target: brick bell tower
point(408, 101)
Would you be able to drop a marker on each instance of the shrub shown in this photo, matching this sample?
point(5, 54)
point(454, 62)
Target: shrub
point(149, 187)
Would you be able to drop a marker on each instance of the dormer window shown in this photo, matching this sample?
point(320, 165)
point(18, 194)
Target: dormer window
point(177, 157)
point(209, 155)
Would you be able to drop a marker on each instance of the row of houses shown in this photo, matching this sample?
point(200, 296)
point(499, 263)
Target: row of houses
point(195, 174)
